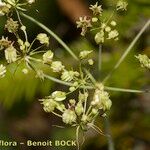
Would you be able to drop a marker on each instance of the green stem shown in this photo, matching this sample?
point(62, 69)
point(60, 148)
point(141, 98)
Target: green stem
point(77, 137)
point(57, 114)
point(110, 139)
point(38, 52)
point(51, 33)
point(127, 51)
point(35, 59)
point(108, 132)
point(57, 80)
point(25, 33)
point(125, 90)
point(90, 76)
point(100, 58)
point(91, 87)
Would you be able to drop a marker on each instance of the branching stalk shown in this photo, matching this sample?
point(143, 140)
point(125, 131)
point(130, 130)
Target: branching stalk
point(91, 87)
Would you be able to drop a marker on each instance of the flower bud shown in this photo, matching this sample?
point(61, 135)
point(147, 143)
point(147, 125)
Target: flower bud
point(94, 19)
point(57, 66)
point(4, 42)
point(72, 88)
point(101, 100)
point(23, 28)
point(4, 8)
point(99, 37)
point(107, 105)
point(43, 38)
point(68, 75)
point(96, 9)
point(107, 29)
point(59, 95)
point(113, 34)
point(84, 54)
point(75, 84)
point(91, 62)
point(11, 54)
point(79, 108)
point(48, 56)
point(2, 71)
point(40, 74)
point(69, 117)
point(113, 23)
point(84, 23)
point(27, 44)
point(144, 60)
point(84, 118)
point(25, 71)
point(11, 25)
point(49, 105)
point(122, 5)
point(31, 1)
point(94, 111)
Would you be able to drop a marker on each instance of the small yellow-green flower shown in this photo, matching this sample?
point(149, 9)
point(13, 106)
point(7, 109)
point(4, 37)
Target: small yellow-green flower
point(43, 38)
point(84, 54)
point(122, 5)
point(25, 70)
point(11, 54)
point(49, 105)
point(94, 19)
point(83, 23)
point(85, 118)
point(11, 25)
point(48, 57)
point(113, 23)
point(40, 74)
point(99, 37)
point(4, 8)
point(69, 75)
point(96, 9)
point(31, 1)
point(4, 42)
point(57, 66)
point(101, 100)
point(79, 108)
point(59, 95)
point(69, 117)
point(144, 60)
point(113, 34)
point(23, 28)
point(91, 62)
point(72, 89)
point(94, 111)
point(108, 29)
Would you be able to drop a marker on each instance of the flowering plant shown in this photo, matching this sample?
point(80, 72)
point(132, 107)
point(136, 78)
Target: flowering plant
point(80, 112)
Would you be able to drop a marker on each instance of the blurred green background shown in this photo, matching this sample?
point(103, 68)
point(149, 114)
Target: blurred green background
point(21, 115)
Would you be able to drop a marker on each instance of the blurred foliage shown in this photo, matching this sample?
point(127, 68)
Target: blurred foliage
point(18, 87)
